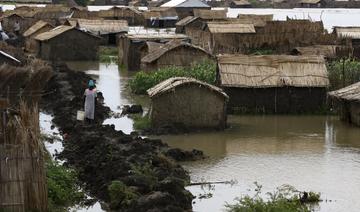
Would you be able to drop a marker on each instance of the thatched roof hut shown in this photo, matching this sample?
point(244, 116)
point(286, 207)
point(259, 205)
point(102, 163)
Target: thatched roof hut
point(187, 102)
point(131, 14)
point(257, 20)
point(186, 8)
point(279, 83)
point(160, 17)
point(328, 51)
point(310, 3)
point(36, 29)
point(174, 53)
point(131, 47)
point(347, 32)
point(240, 4)
point(348, 100)
point(67, 43)
point(210, 14)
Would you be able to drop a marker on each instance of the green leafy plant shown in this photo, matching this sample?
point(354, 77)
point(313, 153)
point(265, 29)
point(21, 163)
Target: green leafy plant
point(63, 187)
point(204, 71)
point(285, 199)
point(343, 72)
point(141, 122)
point(120, 195)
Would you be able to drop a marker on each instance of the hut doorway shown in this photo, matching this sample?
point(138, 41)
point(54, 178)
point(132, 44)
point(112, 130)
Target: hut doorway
point(112, 39)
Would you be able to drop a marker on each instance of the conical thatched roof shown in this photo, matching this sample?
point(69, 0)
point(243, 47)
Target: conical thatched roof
point(349, 93)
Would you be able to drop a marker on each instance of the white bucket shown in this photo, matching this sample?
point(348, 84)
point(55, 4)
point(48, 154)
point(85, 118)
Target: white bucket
point(80, 116)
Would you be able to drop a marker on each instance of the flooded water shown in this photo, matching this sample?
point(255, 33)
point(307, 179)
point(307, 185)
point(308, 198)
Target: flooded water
point(317, 153)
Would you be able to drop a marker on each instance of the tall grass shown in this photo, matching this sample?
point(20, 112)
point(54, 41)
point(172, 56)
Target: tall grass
point(343, 72)
point(204, 71)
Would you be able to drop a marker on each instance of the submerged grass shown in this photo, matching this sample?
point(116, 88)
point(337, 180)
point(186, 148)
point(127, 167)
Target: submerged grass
point(285, 199)
point(108, 54)
point(204, 71)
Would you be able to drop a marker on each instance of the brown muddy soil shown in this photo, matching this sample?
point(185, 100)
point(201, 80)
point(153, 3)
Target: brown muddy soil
point(102, 155)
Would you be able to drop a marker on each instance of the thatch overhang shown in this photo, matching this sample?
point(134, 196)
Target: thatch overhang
point(328, 51)
point(241, 3)
point(100, 26)
point(349, 93)
point(157, 36)
point(310, 1)
point(210, 14)
point(347, 32)
point(230, 27)
point(257, 20)
point(267, 71)
point(171, 84)
point(36, 27)
point(171, 45)
point(187, 20)
point(58, 31)
point(118, 11)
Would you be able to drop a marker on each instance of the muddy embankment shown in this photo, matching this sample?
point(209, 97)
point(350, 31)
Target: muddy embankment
point(150, 179)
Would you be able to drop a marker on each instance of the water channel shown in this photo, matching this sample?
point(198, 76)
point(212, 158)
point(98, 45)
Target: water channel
point(317, 153)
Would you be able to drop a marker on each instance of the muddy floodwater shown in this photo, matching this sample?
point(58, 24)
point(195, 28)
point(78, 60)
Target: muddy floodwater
point(317, 153)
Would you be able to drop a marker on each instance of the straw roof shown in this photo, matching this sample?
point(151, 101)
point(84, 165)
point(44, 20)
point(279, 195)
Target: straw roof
point(157, 36)
point(348, 32)
point(36, 27)
point(210, 14)
point(171, 84)
point(272, 71)
point(257, 20)
point(229, 27)
point(100, 26)
point(349, 93)
point(309, 1)
point(185, 21)
point(152, 46)
point(158, 52)
point(55, 32)
point(326, 50)
point(241, 2)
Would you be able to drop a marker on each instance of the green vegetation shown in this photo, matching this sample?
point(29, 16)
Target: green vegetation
point(284, 199)
point(204, 71)
point(146, 174)
point(108, 54)
point(141, 122)
point(63, 187)
point(120, 195)
point(343, 72)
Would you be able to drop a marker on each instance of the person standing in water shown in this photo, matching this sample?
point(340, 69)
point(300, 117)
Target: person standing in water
point(90, 98)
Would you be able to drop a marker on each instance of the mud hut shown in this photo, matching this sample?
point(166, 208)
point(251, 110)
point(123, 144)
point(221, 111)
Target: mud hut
point(109, 30)
point(36, 29)
point(25, 19)
point(273, 83)
point(6, 58)
point(186, 8)
point(240, 4)
point(160, 17)
point(133, 16)
point(174, 53)
point(348, 102)
point(131, 47)
point(189, 103)
point(67, 43)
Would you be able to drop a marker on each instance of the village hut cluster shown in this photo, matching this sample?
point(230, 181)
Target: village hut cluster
point(291, 78)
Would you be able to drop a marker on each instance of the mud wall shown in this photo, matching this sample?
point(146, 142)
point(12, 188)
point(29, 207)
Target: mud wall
point(71, 45)
point(192, 106)
point(276, 100)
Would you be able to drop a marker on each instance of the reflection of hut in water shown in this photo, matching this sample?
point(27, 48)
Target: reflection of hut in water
point(274, 83)
point(348, 100)
point(174, 53)
point(109, 30)
point(38, 28)
point(67, 43)
point(187, 102)
point(131, 47)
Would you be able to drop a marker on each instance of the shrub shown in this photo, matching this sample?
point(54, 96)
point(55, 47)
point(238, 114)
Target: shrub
point(141, 122)
point(63, 187)
point(343, 72)
point(120, 195)
point(284, 199)
point(204, 71)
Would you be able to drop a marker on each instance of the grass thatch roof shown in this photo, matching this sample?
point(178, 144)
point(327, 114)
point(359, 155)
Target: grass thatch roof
point(166, 36)
point(36, 27)
point(230, 27)
point(309, 1)
point(185, 21)
point(328, 51)
point(100, 26)
point(171, 84)
point(118, 12)
point(241, 2)
point(272, 71)
point(348, 32)
point(169, 46)
point(349, 93)
point(53, 33)
point(210, 14)
point(257, 20)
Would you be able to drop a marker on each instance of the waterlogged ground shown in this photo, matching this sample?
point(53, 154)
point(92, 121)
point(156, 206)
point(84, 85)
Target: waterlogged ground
point(316, 153)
